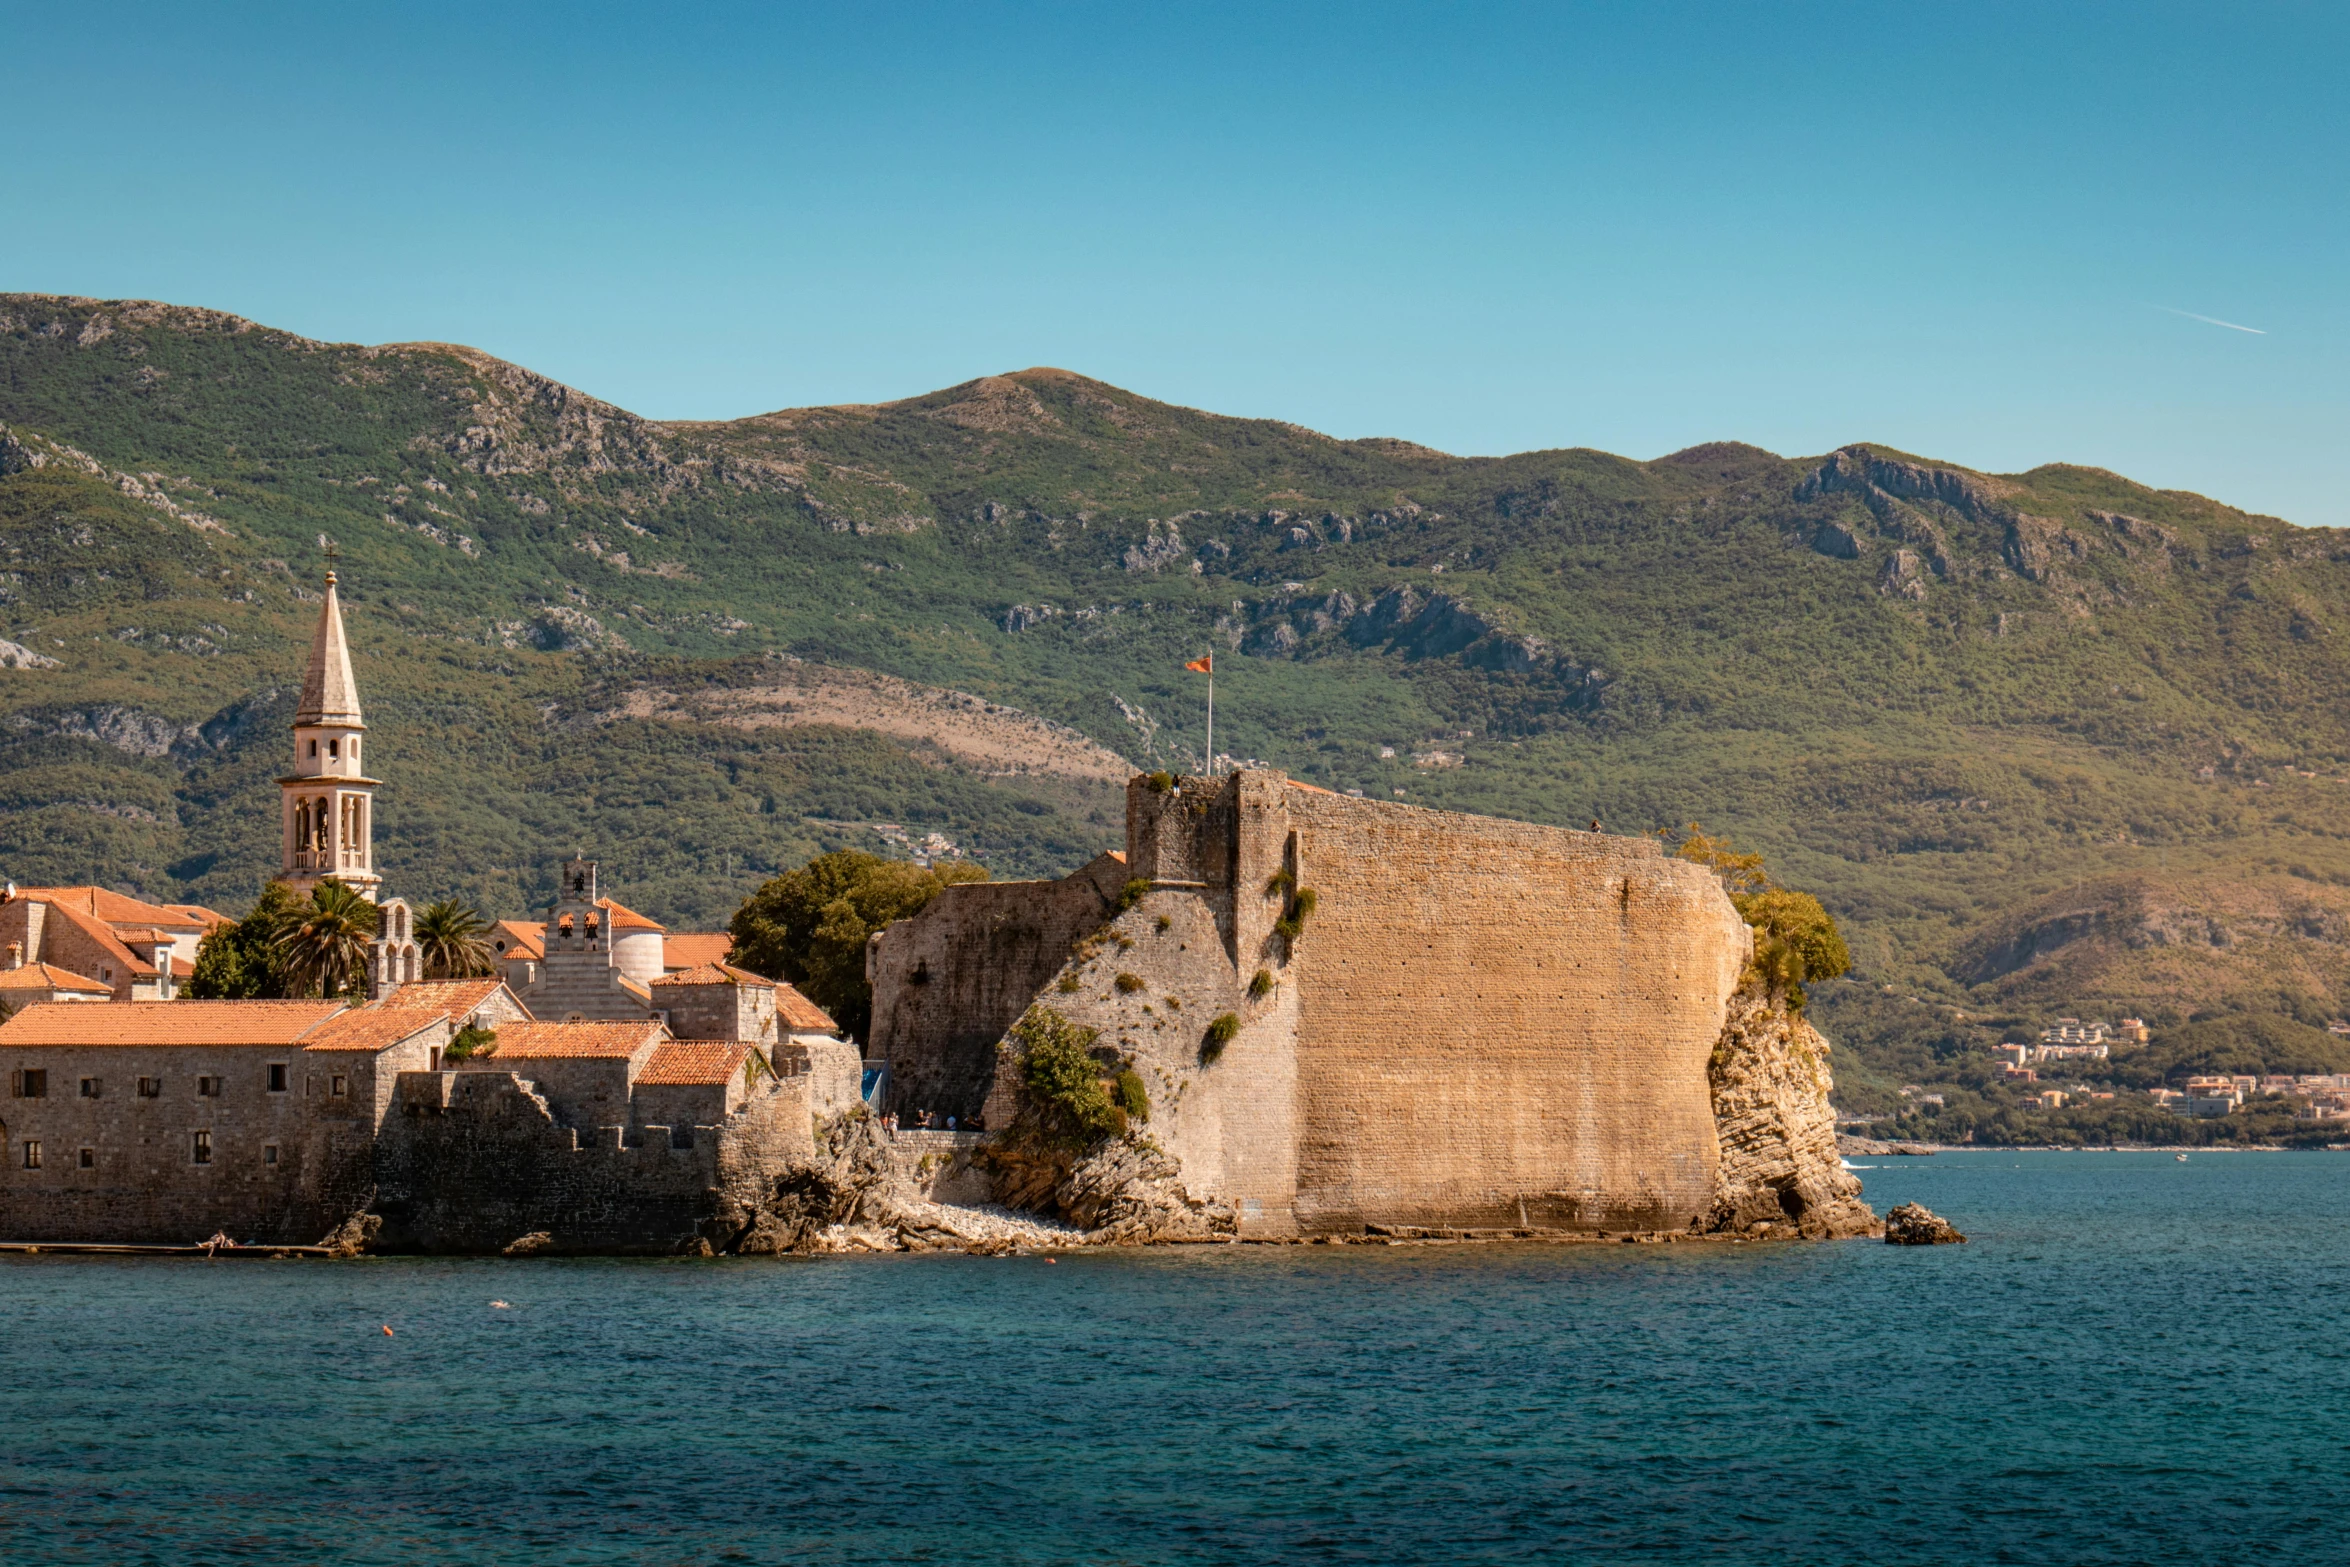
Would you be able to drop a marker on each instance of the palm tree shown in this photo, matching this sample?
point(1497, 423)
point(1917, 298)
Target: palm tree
point(452, 938)
point(324, 944)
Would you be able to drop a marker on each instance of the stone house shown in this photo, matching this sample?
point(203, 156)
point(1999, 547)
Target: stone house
point(138, 950)
point(153, 1121)
point(27, 984)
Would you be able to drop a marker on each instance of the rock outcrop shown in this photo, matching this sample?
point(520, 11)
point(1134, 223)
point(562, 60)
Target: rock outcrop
point(1780, 1172)
point(1913, 1224)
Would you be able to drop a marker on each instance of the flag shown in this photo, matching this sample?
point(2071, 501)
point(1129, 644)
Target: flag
point(1206, 666)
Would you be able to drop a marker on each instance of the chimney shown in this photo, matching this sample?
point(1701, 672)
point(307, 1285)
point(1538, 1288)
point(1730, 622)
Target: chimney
point(15, 955)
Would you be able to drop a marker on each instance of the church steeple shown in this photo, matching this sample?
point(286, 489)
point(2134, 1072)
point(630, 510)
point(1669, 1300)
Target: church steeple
point(330, 695)
point(328, 800)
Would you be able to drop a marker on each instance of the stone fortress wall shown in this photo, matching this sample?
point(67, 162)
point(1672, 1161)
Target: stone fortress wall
point(1482, 1023)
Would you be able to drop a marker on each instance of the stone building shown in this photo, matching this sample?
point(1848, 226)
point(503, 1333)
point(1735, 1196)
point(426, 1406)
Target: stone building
point(152, 1121)
point(136, 950)
point(1434, 1019)
point(326, 804)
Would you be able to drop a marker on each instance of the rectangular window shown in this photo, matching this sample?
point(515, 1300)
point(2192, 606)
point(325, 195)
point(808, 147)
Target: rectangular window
point(203, 1147)
point(31, 1083)
point(277, 1077)
point(269, 1153)
point(339, 1087)
point(32, 1154)
point(150, 1087)
point(90, 1086)
point(89, 1158)
point(207, 1088)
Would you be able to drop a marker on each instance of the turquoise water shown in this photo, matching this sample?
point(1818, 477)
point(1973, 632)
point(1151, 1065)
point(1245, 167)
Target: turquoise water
point(2135, 1360)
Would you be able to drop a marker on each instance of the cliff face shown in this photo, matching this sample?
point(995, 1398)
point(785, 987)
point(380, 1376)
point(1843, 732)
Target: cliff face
point(1779, 1171)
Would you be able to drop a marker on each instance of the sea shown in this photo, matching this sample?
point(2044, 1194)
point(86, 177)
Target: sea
point(2132, 1360)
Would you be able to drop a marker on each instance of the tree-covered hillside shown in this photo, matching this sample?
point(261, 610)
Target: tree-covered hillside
point(2043, 741)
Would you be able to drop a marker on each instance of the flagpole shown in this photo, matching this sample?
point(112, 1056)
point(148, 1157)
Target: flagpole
point(1211, 716)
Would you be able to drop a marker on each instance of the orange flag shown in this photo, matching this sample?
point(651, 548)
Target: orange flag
point(1206, 666)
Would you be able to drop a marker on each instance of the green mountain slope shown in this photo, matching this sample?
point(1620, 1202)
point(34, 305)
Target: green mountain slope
point(2046, 740)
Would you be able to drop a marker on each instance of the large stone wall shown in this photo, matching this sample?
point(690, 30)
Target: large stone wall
point(475, 1161)
point(947, 985)
point(1483, 1023)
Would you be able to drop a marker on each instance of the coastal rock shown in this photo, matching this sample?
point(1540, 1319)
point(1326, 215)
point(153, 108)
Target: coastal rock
point(530, 1245)
point(1869, 1148)
point(1912, 1224)
point(1779, 1165)
point(1128, 1191)
point(353, 1235)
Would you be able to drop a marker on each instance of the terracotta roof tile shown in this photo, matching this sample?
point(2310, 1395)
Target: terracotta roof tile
point(695, 948)
point(460, 998)
point(797, 1011)
point(372, 1028)
point(683, 1062)
point(524, 938)
point(208, 918)
point(99, 931)
point(46, 976)
point(717, 974)
point(564, 1041)
point(621, 917)
point(113, 907)
point(166, 1023)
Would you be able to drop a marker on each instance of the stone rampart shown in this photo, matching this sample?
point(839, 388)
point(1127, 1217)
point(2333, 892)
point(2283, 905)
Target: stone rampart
point(947, 984)
point(1469, 1023)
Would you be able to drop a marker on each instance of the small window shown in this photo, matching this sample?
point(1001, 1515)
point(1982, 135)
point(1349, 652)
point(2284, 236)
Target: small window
point(339, 1087)
point(269, 1153)
point(277, 1077)
point(203, 1148)
point(107, 975)
point(314, 748)
point(89, 1158)
point(207, 1088)
point(334, 748)
point(31, 1083)
point(32, 1153)
point(150, 1087)
point(91, 1086)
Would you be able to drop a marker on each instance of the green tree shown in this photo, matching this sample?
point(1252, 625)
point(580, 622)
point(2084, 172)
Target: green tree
point(241, 961)
point(324, 947)
point(1069, 1104)
point(452, 937)
point(1795, 939)
point(810, 926)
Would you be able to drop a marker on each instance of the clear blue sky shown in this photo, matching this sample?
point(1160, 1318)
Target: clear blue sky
point(1953, 229)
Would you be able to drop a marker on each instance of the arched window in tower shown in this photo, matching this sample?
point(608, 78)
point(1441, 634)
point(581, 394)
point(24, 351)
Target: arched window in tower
point(334, 749)
point(359, 817)
point(301, 824)
point(325, 835)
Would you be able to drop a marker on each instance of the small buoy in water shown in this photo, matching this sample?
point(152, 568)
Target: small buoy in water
point(2182, 1158)
point(387, 1330)
point(1052, 1259)
point(499, 1305)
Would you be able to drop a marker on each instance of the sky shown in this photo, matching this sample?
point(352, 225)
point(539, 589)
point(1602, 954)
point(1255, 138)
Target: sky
point(1981, 233)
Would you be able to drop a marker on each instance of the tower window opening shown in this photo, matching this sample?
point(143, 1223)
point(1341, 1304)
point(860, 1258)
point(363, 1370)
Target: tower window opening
point(334, 748)
point(314, 748)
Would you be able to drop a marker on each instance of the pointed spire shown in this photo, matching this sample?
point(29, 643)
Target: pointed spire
point(329, 693)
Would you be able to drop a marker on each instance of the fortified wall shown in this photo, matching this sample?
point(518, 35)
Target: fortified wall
point(1435, 1019)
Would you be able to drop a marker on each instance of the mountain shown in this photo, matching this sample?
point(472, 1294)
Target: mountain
point(2045, 741)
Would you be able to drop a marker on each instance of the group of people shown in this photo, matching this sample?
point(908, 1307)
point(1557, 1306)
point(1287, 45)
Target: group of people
point(928, 1121)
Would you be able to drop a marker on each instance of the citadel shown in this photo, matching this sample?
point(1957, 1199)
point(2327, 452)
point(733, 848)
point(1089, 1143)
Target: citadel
point(1339, 1017)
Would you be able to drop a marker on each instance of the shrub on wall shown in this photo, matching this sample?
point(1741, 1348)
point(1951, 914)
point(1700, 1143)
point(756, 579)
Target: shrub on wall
point(1132, 1096)
point(1260, 985)
point(1133, 892)
point(1067, 1104)
point(1128, 984)
point(1219, 1035)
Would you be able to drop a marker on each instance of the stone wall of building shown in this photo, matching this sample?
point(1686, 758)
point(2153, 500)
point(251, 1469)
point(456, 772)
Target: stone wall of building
point(946, 985)
point(475, 1161)
point(1482, 1023)
point(144, 1184)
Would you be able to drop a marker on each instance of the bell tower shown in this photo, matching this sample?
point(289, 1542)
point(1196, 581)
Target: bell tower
point(328, 800)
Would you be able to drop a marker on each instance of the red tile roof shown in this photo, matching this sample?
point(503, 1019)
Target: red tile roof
point(113, 907)
point(695, 948)
point(623, 918)
point(166, 1023)
point(45, 976)
point(797, 1011)
point(372, 1028)
point(524, 938)
point(102, 934)
point(717, 974)
point(567, 1041)
point(460, 998)
point(687, 1062)
point(203, 916)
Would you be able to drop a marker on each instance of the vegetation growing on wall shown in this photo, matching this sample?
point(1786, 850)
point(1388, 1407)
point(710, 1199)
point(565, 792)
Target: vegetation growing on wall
point(1795, 939)
point(1067, 1104)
